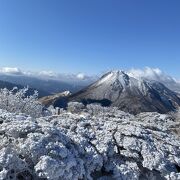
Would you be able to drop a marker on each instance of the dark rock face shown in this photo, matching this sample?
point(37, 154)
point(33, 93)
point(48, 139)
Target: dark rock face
point(129, 94)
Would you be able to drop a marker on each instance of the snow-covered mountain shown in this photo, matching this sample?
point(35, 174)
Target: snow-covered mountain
point(130, 94)
point(85, 142)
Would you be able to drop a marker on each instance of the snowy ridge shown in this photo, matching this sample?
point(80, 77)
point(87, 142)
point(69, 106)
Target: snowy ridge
point(125, 79)
point(97, 143)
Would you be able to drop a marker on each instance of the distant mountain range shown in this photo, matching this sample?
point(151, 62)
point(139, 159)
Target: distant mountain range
point(10, 86)
point(133, 95)
point(46, 85)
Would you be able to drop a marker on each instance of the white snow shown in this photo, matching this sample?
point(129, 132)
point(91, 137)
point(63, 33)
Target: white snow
point(91, 143)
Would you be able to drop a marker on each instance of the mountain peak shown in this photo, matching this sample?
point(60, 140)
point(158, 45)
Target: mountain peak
point(115, 78)
point(117, 72)
point(129, 94)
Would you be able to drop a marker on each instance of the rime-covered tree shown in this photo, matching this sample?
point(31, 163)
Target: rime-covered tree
point(15, 100)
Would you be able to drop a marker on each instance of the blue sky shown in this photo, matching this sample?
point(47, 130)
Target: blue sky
point(90, 36)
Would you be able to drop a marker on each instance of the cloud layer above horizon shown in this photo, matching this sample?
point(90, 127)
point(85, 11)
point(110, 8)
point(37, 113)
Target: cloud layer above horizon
point(151, 74)
point(47, 75)
point(147, 73)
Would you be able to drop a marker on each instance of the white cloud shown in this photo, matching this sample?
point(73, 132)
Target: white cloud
point(48, 73)
point(151, 74)
point(70, 78)
point(10, 70)
point(81, 76)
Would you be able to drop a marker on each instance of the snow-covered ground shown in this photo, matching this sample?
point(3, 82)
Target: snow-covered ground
point(89, 143)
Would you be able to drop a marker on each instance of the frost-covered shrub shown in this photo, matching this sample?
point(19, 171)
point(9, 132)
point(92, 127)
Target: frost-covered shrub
point(95, 109)
point(82, 146)
point(16, 101)
point(55, 110)
point(75, 107)
point(175, 127)
point(98, 110)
